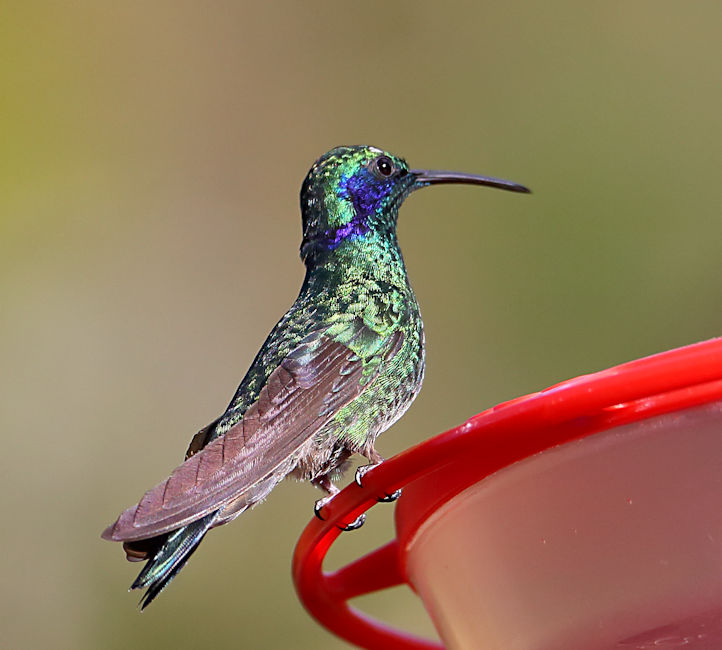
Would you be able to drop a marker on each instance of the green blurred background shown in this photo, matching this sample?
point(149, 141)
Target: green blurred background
point(152, 155)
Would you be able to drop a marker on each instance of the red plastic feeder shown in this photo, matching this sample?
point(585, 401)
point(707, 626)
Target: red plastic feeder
point(588, 515)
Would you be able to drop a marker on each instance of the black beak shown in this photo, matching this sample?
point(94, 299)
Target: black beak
point(437, 176)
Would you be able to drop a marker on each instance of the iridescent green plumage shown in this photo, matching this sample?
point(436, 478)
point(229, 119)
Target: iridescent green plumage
point(339, 368)
point(359, 280)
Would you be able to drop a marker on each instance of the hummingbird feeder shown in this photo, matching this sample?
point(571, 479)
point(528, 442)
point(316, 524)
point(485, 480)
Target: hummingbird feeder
point(588, 515)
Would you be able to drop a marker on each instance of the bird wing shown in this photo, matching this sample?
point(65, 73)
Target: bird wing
point(317, 378)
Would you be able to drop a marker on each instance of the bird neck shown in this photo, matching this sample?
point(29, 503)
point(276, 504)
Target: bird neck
point(374, 257)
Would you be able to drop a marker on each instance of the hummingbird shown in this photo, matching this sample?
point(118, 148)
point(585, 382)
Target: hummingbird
point(340, 367)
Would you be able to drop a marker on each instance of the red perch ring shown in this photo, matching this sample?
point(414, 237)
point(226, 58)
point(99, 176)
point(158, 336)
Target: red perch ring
point(583, 516)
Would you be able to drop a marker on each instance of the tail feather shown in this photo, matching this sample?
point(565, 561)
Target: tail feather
point(171, 557)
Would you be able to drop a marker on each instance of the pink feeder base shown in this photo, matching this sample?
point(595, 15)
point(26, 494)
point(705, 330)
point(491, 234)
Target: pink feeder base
point(612, 541)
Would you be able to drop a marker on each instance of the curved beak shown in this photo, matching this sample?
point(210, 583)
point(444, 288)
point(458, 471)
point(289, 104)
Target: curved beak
point(426, 177)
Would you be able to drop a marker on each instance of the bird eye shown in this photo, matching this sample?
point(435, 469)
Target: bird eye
point(383, 166)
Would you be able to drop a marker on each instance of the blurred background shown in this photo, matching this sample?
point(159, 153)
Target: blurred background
point(152, 155)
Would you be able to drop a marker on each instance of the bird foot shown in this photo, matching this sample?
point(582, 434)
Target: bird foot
point(361, 472)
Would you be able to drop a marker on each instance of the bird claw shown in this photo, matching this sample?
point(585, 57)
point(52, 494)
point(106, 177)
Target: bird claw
point(355, 524)
point(389, 498)
point(320, 505)
point(361, 472)
point(359, 521)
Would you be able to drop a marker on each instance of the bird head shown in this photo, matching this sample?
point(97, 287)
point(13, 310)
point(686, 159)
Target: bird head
point(353, 191)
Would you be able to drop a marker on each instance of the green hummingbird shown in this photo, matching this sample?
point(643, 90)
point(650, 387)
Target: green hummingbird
point(340, 367)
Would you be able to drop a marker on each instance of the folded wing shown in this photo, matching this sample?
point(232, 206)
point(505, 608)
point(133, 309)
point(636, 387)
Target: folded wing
point(310, 385)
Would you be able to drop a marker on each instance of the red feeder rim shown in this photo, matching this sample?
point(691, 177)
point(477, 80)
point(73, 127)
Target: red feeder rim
point(670, 381)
